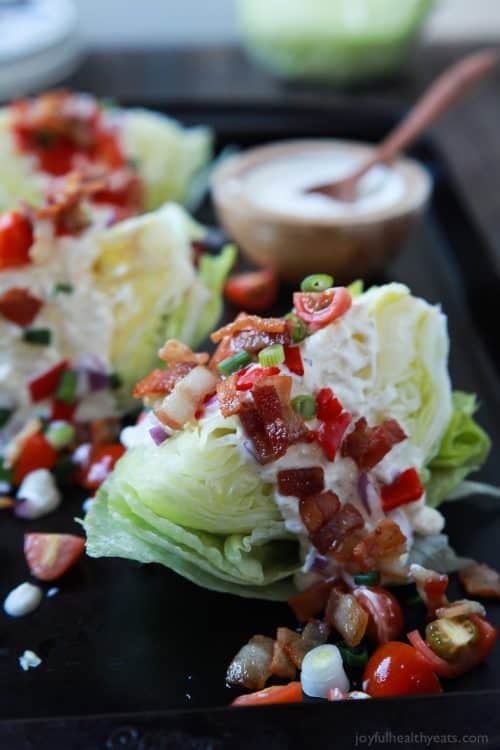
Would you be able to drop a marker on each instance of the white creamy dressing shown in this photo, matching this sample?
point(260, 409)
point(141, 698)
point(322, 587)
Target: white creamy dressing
point(280, 184)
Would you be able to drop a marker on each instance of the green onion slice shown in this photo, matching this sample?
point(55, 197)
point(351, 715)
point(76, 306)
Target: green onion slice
point(272, 355)
point(67, 388)
point(305, 406)
point(300, 329)
point(353, 656)
point(60, 434)
point(318, 282)
point(63, 288)
point(38, 336)
point(372, 578)
point(233, 364)
point(5, 415)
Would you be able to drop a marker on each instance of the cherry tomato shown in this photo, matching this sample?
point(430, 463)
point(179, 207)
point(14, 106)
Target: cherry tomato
point(101, 462)
point(50, 555)
point(398, 669)
point(291, 693)
point(19, 306)
point(37, 453)
point(385, 616)
point(467, 658)
point(45, 385)
point(16, 238)
point(317, 309)
point(255, 291)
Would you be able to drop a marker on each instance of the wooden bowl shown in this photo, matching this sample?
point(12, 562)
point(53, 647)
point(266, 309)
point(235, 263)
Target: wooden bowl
point(345, 246)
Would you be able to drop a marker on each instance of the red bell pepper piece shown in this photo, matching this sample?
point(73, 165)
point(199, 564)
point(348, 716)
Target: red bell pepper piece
point(46, 384)
point(293, 360)
point(330, 434)
point(329, 407)
point(406, 488)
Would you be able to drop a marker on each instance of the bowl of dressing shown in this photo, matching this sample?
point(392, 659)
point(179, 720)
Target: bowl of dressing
point(261, 200)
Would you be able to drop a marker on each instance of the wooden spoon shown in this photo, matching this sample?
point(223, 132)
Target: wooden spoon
point(447, 89)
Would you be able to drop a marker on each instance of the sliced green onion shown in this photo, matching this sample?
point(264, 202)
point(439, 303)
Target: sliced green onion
point(233, 364)
point(63, 288)
point(372, 578)
point(356, 288)
point(60, 434)
point(38, 336)
point(272, 355)
point(5, 415)
point(6, 473)
point(414, 601)
point(115, 381)
point(300, 329)
point(318, 282)
point(354, 657)
point(64, 468)
point(305, 406)
point(68, 385)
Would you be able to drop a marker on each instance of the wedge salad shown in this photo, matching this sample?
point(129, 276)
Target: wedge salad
point(306, 460)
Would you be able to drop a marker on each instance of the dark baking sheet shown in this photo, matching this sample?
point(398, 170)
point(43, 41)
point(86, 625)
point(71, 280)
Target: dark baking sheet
point(124, 638)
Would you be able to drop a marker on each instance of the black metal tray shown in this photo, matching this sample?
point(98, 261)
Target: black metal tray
point(147, 648)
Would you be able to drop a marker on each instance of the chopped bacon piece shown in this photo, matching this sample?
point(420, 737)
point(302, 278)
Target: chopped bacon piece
point(104, 431)
point(255, 429)
point(252, 341)
point(367, 446)
point(281, 664)
point(314, 634)
point(244, 322)
point(63, 203)
point(386, 541)
point(347, 616)
point(251, 667)
point(174, 351)
point(162, 382)
point(480, 580)
point(431, 587)
point(227, 396)
point(317, 510)
point(183, 403)
point(312, 601)
point(328, 537)
point(330, 434)
point(19, 306)
point(301, 482)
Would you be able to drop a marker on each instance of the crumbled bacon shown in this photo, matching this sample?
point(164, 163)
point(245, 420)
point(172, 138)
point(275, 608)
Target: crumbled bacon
point(186, 399)
point(228, 396)
point(314, 634)
point(345, 521)
point(317, 510)
point(174, 351)
point(480, 580)
point(19, 306)
point(367, 446)
point(385, 542)
point(252, 322)
point(301, 482)
point(347, 616)
point(312, 601)
point(162, 382)
point(281, 664)
point(431, 587)
point(63, 204)
point(251, 667)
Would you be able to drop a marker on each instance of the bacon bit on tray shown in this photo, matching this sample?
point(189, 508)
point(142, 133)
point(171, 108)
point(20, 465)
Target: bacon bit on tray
point(317, 510)
point(251, 667)
point(345, 521)
point(19, 306)
point(314, 634)
point(385, 542)
point(162, 382)
point(480, 580)
point(431, 587)
point(347, 616)
point(312, 601)
point(174, 351)
point(367, 446)
point(301, 482)
point(244, 322)
point(281, 664)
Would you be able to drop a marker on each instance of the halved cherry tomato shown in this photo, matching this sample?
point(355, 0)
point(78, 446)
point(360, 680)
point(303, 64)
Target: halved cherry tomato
point(246, 378)
point(317, 309)
point(101, 462)
point(385, 616)
point(330, 434)
point(37, 453)
point(467, 658)
point(406, 488)
point(19, 306)
point(293, 360)
point(45, 385)
point(255, 291)
point(398, 669)
point(16, 238)
point(291, 693)
point(50, 555)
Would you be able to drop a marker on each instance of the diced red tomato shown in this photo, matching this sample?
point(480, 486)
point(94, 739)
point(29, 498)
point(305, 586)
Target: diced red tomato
point(101, 462)
point(16, 239)
point(385, 616)
point(255, 291)
point(330, 434)
point(293, 360)
point(468, 657)
point(50, 555)
point(291, 693)
point(61, 411)
point(398, 669)
point(246, 378)
point(406, 488)
point(45, 385)
point(329, 407)
point(19, 306)
point(317, 309)
point(37, 453)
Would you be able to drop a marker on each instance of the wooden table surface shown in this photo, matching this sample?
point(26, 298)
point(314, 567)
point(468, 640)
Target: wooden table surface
point(469, 137)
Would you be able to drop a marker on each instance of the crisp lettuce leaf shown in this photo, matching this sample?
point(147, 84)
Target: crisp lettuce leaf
point(195, 504)
point(19, 179)
point(464, 448)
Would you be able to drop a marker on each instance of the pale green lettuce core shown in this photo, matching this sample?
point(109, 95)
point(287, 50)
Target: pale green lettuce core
point(199, 506)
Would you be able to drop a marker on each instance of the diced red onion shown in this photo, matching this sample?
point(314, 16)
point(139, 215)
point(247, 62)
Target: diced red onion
point(363, 488)
point(97, 381)
point(159, 434)
point(320, 564)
